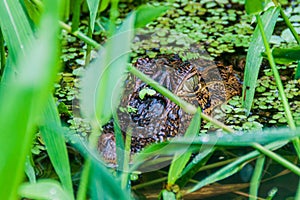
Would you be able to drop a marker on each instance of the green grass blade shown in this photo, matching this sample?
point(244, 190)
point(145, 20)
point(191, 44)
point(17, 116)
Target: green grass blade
point(192, 168)
point(93, 8)
point(103, 185)
point(16, 30)
point(242, 138)
point(46, 189)
point(76, 15)
point(103, 81)
point(297, 74)
point(180, 160)
point(22, 99)
point(254, 57)
point(231, 168)
point(51, 131)
point(256, 177)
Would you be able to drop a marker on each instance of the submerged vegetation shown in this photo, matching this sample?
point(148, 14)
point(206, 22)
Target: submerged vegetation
point(63, 69)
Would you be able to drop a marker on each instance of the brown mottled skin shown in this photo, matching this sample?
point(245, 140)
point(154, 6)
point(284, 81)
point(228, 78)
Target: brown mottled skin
point(200, 82)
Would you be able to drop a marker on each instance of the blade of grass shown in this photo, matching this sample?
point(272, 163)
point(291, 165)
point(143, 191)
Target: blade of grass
point(232, 168)
point(180, 160)
point(277, 158)
point(103, 185)
point(256, 177)
point(51, 131)
point(286, 106)
point(93, 8)
point(76, 15)
point(254, 58)
point(17, 118)
point(193, 167)
point(16, 31)
point(2, 53)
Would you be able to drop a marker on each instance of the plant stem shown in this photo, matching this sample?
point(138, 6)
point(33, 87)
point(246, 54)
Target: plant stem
point(76, 15)
point(80, 35)
point(93, 141)
point(81, 194)
point(126, 159)
point(187, 107)
point(256, 177)
point(276, 76)
point(289, 24)
point(277, 158)
point(284, 100)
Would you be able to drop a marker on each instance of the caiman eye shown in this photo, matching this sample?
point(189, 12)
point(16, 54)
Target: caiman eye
point(191, 84)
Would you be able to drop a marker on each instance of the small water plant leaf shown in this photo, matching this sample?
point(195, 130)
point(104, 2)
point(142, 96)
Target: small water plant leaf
point(147, 13)
point(254, 6)
point(254, 57)
point(102, 83)
point(44, 189)
point(180, 160)
point(286, 55)
point(51, 131)
point(146, 91)
point(93, 8)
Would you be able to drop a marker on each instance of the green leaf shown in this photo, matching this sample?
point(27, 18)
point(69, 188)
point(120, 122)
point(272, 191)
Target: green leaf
point(254, 57)
point(53, 137)
point(165, 194)
point(286, 55)
point(45, 189)
point(254, 6)
point(103, 185)
point(16, 30)
point(102, 84)
point(297, 74)
point(22, 99)
point(180, 160)
point(147, 13)
point(103, 5)
point(241, 138)
point(146, 91)
point(93, 8)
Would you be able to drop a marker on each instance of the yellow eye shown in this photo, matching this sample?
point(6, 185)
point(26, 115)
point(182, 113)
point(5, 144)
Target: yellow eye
point(191, 84)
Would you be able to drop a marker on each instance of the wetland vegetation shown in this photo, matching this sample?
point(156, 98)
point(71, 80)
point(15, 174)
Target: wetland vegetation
point(65, 66)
